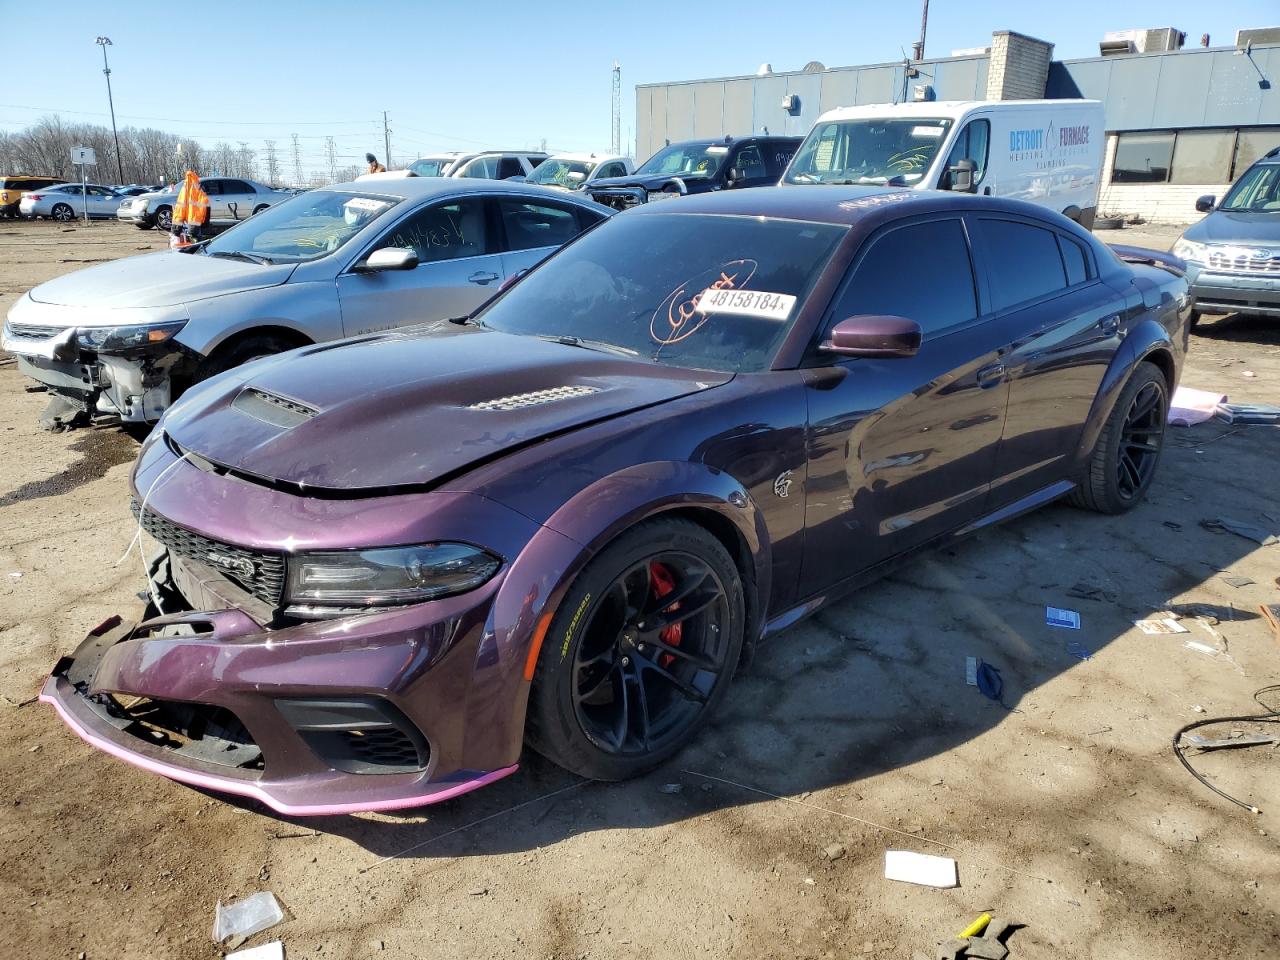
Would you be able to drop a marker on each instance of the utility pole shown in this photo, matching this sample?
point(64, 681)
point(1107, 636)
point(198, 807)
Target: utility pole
point(918, 46)
point(386, 140)
point(273, 164)
point(105, 42)
point(615, 140)
point(297, 162)
point(333, 165)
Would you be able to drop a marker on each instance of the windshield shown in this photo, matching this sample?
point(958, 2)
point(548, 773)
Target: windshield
point(301, 228)
point(431, 166)
point(561, 173)
point(703, 291)
point(1257, 191)
point(897, 151)
point(686, 159)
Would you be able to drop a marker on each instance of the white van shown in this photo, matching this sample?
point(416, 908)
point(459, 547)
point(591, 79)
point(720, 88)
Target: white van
point(1046, 151)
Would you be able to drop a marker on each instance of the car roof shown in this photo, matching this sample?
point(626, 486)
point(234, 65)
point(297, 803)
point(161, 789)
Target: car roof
point(413, 188)
point(585, 157)
point(832, 203)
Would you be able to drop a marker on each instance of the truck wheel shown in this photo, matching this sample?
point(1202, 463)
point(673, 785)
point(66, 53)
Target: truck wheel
point(1124, 459)
point(164, 218)
point(639, 654)
point(62, 212)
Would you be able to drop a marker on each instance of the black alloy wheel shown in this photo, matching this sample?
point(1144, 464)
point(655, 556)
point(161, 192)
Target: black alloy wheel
point(1141, 437)
point(642, 648)
point(1123, 462)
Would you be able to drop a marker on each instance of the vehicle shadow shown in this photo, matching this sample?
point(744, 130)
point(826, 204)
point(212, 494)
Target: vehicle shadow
point(1234, 328)
point(876, 682)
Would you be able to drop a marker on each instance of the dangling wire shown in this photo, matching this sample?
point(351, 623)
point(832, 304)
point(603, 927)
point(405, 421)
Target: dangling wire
point(1271, 716)
point(152, 591)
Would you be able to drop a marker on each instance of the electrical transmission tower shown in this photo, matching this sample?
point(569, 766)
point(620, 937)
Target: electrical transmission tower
point(246, 160)
point(615, 144)
point(273, 164)
point(297, 162)
point(333, 163)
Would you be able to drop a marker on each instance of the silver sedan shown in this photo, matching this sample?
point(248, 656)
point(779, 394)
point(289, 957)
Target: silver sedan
point(125, 337)
point(230, 201)
point(67, 201)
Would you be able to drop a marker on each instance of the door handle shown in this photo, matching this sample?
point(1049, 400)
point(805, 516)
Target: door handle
point(986, 191)
point(1110, 326)
point(482, 277)
point(990, 375)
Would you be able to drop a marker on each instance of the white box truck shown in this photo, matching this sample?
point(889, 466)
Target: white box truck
point(1046, 151)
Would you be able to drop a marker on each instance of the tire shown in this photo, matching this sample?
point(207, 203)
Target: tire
point(1194, 320)
point(62, 212)
point(251, 348)
point(644, 691)
point(164, 217)
point(1123, 463)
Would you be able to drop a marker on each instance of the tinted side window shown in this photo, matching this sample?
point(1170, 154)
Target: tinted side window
point(750, 163)
point(613, 170)
point(884, 280)
point(531, 225)
point(510, 167)
point(483, 168)
point(236, 186)
point(1074, 260)
point(777, 156)
point(211, 187)
point(443, 232)
point(1024, 262)
point(971, 144)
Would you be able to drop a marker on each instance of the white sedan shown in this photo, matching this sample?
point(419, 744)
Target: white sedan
point(67, 201)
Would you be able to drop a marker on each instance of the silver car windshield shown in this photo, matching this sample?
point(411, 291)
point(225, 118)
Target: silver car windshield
point(305, 227)
point(897, 152)
point(1258, 191)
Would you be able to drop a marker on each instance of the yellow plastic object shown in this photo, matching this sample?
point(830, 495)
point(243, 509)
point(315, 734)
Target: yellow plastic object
point(975, 929)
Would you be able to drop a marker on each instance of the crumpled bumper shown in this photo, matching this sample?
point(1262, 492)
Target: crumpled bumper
point(244, 693)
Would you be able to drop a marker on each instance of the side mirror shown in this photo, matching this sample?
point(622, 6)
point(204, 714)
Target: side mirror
point(962, 174)
point(1205, 204)
point(389, 258)
point(872, 335)
point(733, 175)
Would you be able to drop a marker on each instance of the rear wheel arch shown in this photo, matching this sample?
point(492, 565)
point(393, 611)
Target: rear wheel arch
point(240, 347)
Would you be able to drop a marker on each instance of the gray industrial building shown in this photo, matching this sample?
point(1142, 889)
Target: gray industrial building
point(1180, 122)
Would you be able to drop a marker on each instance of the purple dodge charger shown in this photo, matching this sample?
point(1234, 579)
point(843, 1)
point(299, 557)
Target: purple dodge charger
point(390, 563)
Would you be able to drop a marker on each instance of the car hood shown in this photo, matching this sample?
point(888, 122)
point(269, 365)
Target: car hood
point(159, 279)
point(1225, 226)
point(410, 410)
point(648, 181)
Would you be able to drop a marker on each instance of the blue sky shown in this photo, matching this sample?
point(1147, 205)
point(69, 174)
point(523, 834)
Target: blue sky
point(458, 74)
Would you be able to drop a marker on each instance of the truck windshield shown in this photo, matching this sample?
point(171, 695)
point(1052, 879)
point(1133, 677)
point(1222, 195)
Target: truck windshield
point(892, 151)
point(305, 227)
point(1257, 191)
point(431, 166)
point(686, 160)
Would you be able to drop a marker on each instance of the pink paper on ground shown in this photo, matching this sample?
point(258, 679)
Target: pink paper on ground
point(1190, 406)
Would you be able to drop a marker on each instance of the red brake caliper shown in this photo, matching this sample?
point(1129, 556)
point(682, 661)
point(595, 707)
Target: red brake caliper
point(663, 584)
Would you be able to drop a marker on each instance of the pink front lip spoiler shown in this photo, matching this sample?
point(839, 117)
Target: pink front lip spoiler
point(253, 791)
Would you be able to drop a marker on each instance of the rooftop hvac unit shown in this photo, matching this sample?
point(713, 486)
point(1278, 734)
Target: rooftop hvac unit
point(1257, 35)
point(971, 52)
point(1157, 40)
point(764, 69)
point(814, 66)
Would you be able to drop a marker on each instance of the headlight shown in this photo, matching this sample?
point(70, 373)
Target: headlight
point(120, 339)
point(388, 575)
point(1190, 250)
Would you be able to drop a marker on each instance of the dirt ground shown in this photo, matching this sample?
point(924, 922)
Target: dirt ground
point(1065, 809)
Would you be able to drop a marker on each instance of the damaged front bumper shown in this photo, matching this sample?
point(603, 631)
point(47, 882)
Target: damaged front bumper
point(135, 386)
point(310, 720)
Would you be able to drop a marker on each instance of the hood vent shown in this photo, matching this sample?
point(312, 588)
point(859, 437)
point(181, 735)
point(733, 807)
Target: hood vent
point(518, 401)
point(272, 408)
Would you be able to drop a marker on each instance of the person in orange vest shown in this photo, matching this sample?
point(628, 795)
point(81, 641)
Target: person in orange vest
point(190, 212)
point(374, 165)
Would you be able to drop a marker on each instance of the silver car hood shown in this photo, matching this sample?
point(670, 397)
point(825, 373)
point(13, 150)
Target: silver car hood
point(160, 279)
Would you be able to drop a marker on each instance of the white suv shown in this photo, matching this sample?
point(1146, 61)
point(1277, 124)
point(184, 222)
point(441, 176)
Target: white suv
point(482, 164)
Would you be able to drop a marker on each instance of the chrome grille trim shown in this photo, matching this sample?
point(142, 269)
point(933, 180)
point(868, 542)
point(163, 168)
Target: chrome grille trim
point(518, 401)
point(31, 331)
point(1236, 260)
point(259, 573)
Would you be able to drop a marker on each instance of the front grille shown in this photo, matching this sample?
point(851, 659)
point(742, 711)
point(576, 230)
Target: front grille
point(259, 573)
point(1235, 261)
point(31, 331)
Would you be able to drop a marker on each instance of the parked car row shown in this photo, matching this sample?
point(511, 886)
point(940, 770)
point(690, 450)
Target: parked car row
point(62, 200)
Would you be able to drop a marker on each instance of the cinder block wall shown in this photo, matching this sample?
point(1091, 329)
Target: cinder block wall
point(1019, 66)
point(1153, 202)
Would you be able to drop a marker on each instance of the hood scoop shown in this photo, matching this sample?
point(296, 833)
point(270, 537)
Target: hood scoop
point(272, 408)
point(535, 398)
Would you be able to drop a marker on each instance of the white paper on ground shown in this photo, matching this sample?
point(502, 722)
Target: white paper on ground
point(921, 868)
point(268, 951)
point(1160, 625)
point(1190, 406)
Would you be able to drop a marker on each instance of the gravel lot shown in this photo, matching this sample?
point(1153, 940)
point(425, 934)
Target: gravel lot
point(1067, 812)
